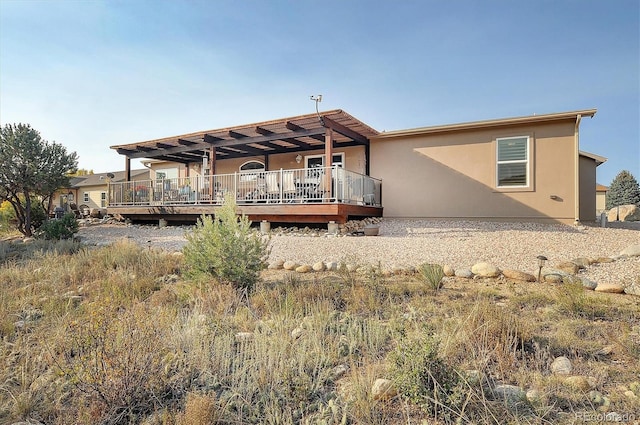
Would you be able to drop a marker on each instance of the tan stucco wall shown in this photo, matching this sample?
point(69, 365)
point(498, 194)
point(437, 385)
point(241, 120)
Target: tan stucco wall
point(587, 189)
point(601, 202)
point(452, 174)
point(354, 161)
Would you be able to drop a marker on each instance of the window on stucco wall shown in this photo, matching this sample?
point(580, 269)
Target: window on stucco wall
point(512, 168)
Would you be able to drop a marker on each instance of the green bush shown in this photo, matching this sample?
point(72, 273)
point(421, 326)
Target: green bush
point(63, 228)
point(432, 275)
point(624, 190)
point(226, 248)
point(426, 380)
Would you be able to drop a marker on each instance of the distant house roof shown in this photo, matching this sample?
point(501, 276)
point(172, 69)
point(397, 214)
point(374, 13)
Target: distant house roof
point(99, 179)
point(601, 188)
point(530, 119)
point(597, 158)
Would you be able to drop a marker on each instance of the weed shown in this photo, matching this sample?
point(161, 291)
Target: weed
point(425, 379)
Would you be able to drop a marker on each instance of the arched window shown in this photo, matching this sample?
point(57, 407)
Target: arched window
point(250, 170)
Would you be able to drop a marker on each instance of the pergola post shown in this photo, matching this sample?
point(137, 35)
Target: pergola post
point(212, 170)
point(328, 150)
point(127, 169)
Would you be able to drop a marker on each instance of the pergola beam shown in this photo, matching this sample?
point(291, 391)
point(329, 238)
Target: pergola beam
point(345, 131)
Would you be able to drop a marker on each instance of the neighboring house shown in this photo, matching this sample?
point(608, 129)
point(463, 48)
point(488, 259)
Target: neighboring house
point(601, 198)
point(91, 190)
point(524, 168)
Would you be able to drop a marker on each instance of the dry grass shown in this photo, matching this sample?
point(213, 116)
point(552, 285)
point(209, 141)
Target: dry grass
point(117, 336)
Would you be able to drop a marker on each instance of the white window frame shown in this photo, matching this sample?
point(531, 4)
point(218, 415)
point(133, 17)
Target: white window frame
point(526, 162)
point(252, 174)
point(85, 197)
point(323, 156)
point(103, 199)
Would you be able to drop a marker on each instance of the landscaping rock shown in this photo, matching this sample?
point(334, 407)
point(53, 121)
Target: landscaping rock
point(276, 265)
point(568, 267)
point(633, 289)
point(319, 267)
point(332, 266)
point(511, 394)
point(533, 396)
point(596, 397)
point(553, 278)
point(611, 288)
point(589, 284)
point(448, 270)
point(485, 270)
point(624, 213)
point(464, 273)
point(290, 265)
point(582, 262)
point(604, 260)
point(339, 370)
point(383, 389)
point(518, 275)
point(631, 251)
point(305, 268)
point(580, 383)
point(561, 366)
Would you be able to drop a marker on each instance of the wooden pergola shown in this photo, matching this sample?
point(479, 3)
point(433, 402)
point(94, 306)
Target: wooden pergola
point(329, 130)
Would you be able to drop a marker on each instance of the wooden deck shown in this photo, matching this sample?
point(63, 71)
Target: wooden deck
point(312, 212)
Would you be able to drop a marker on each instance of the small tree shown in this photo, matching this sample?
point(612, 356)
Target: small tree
point(31, 167)
point(227, 248)
point(624, 190)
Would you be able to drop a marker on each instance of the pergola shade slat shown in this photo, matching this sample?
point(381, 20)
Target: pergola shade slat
point(293, 134)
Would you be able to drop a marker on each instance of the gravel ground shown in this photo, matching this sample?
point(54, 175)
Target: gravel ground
point(411, 242)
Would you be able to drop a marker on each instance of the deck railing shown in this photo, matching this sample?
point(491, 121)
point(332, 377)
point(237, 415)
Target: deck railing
point(322, 184)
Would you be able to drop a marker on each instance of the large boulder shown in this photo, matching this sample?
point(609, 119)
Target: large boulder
point(485, 270)
point(518, 275)
point(624, 213)
point(611, 288)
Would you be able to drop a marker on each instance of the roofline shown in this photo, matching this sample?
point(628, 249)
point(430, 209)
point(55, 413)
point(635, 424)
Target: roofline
point(597, 158)
point(530, 119)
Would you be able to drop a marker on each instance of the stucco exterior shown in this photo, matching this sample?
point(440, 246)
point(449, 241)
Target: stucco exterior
point(450, 172)
point(354, 160)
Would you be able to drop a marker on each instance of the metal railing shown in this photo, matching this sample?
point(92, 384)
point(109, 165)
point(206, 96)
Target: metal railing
point(322, 184)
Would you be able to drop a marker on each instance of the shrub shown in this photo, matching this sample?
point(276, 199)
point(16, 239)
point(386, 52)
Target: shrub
point(425, 379)
point(63, 228)
point(226, 248)
point(432, 275)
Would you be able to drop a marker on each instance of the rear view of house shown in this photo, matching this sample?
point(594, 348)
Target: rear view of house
point(331, 166)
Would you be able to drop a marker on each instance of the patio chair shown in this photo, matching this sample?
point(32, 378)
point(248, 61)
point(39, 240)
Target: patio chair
point(289, 189)
point(272, 188)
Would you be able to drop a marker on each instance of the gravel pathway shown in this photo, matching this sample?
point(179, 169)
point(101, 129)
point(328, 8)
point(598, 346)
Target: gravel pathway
point(411, 242)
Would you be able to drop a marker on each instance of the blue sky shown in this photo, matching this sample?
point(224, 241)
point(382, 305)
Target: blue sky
point(91, 74)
